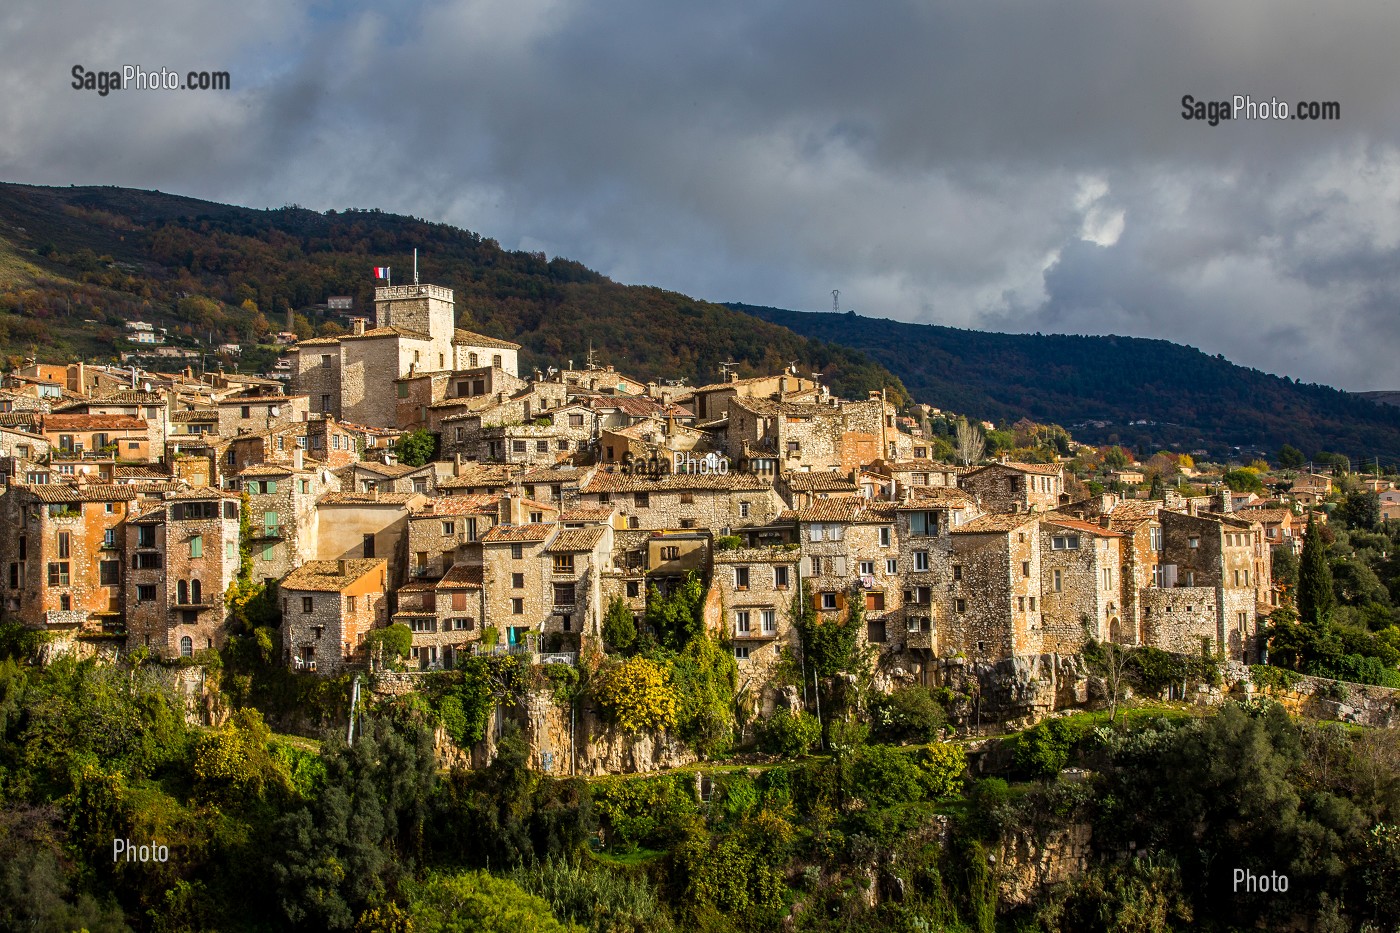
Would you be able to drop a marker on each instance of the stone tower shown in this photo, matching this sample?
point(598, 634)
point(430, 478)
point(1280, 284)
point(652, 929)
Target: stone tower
point(424, 309)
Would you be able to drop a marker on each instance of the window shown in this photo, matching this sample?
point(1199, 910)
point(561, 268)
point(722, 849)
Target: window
point(643, 500)
point(1155, 539)
point(517, 581)
point(517, 606)
point(1064, 543)
point(463, 625)
point(146, 593)
point(1025, 568)
point(307, 604)
point(64, 544)
point(960, 605)
point(633, 522)
point(891, 566)
point(1159, 576)
point(109, 572)
point(670, 552)
point(564, 594)
point(146, 536)
point(741, 622)
point(780, 577)
point(634, 589)
point(575, 420)
point(920, 560)
point(1057, 581)
point(536, 517)
point(14, 576)
point(687, 498)
point(741, 578)
point(1108, 576)
point(957, 572)
point(517, 551)
point(230, 550)
point(816, 566)
point(563, 563)
point(768, 619)
point(743, 510)
point(349, 604)
point(245, 411)
point(687, 523)
point(269, 552)
point(542, 446)
point(885, 537)
point(828, 601)
point(367, 546)
point(147, 561)
point(923, 523)
point(186, 647)
point(58, 574)
point(496, 361)
point(875, 602)
point(1020, 604)
point(423, 625)
point(325, 401)
point(1193, 542)
point(741, 652)
point(197, 546)
point(517, 447)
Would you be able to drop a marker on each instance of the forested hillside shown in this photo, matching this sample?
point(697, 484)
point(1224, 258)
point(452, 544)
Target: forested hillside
point(77, 263)
point(1148, 394)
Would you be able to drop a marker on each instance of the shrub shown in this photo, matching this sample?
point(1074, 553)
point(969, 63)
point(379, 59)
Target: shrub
point(391, 644)
point(1266, 677)
point(884, 776)
point(619, 628)
point(943, 765)
point(728, 543)
point(636, 694)
point(1044, 750)
point(789, 735)
point(910, 713)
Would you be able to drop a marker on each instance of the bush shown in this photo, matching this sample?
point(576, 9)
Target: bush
point(943, 765)
point(636, 694)
point(789, 735)
point(619, 628)
point(884, 776)
point(391, 644)
point(1266, 677)
point(728, 543)
point(910, 713)
point(1044, 750)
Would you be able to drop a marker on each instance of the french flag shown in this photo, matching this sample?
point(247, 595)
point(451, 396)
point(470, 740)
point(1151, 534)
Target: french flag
point(381, 272)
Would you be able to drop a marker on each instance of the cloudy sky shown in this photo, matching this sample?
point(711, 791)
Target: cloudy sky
point(1004, 165)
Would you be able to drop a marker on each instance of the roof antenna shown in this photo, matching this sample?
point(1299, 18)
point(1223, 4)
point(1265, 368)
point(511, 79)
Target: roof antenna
point(415, 265)
point(836, 300)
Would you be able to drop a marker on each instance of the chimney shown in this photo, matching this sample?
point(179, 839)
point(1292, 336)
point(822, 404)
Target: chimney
point(357, 326)
point(1104, 521)
point(457, 461)
point(732, 376)
point(340, 566)
point(782, 387)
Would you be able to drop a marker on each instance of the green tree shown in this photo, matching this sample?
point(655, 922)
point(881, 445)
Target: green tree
point(790, 735)
point(1316, 598)
point(390, 645)
point(1116, 458)
point(416, 448)
point(678, 617)
point(830, 647)
point(1361, 510)
point(1159, 489)
point(1290, 458)
point(1245, 479)
point(619, 627)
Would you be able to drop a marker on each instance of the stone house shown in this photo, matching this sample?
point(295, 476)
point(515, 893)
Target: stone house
point(994, 588)
point(578, 558)
point(516, 577)
point(248, 414)
point(328, 607)
point(849, 551)
point(1016, 487)
point(719, 502)
point(182, 558)
point(440, 528)
point(24, 445)
point(1081, 564)
point(756, 587)
point(1227, 561)
point(801, 490)
point(282, 508)
point(371, 476)
point(63, 557)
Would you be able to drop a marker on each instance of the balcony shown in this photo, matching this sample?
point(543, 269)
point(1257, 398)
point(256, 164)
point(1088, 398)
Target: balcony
point(65, 617)
point(755, 634)
point(921, 640)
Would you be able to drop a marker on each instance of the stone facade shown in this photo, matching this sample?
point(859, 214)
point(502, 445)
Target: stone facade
point(328, 607)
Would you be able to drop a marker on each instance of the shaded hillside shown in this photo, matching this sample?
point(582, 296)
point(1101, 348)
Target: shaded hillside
point(77, 263)
point(1102, 387)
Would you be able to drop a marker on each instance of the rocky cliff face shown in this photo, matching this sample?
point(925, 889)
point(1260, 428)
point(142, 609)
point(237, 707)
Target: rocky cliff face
point(1032, 860)
point(1016, 691)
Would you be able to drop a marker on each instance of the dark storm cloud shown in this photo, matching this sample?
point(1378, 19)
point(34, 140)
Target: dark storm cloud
point(1018, 165)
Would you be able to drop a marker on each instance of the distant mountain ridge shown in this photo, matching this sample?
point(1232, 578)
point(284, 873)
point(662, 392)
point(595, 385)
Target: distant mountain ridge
point(76, 264)
point(1145, 393)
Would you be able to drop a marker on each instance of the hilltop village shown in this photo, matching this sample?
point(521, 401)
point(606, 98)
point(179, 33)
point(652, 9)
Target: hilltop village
point(137, 498)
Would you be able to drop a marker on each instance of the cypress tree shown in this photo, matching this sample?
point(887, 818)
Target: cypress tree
point(1158, 490)
point(1315, 596)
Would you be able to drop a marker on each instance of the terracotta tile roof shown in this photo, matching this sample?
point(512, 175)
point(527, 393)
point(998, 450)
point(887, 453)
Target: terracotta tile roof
point(820, 481)
point(203, 492)
point(62, 492)
point(542, 475)
point(1267, 516)
point(266, 469)
point(465, 338)
point(575, 539)
point(1078, 525)
point(258, 399)
point(480, 474)
point(93, 423)
point(368, 498)
point(518, 534)
point(923, 466)
point(455, 505)
point(196, 414)
point(997, 522)
point(1044, 469)
point(383, 469)
point(393, 331)
point(317, 342)
point(129, 397)
point(585, 514)
point(680, 482)
point(924, 497)
point(847, 509)
point(461, 576)
point(768, 407)
point(330, 576)
point(142, 472)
